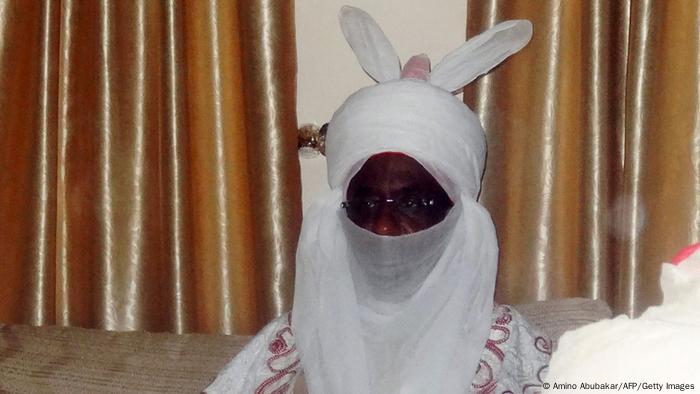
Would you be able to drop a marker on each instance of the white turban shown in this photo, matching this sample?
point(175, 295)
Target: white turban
point(430, 340)
point(412, 117)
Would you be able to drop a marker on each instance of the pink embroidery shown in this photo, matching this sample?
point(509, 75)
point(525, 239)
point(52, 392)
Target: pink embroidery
point(505, 318)
point(282, 363)
point(489, 385)
point(491, 365)
point(500, 333)
point(277, 346)
point(492, 345)
point(544, 345)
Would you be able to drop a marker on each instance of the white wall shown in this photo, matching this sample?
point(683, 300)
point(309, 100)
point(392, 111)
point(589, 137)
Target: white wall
point(328, 71)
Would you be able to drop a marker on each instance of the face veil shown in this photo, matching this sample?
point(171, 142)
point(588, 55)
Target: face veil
point(389, 270)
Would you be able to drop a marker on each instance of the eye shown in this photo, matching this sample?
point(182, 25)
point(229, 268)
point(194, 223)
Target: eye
point(408, 202)
point(369, 203)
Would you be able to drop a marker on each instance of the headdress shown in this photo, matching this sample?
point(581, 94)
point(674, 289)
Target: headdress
point(431, 341)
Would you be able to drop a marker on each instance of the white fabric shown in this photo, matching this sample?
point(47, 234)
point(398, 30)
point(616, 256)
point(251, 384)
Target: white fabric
point(661, 346)
point(387, 270)
point(424, 330)
point(374, 51)
point(680, 285)
point(480, 54)
point(441, 329)
point(430, 342)
point(475, 57)
point(412, 117)
point(513, 360)
point(251, 370)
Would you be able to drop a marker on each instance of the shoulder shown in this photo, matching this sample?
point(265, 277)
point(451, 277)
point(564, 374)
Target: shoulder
point(505, 317)
point(269, 363)
point(516, 355)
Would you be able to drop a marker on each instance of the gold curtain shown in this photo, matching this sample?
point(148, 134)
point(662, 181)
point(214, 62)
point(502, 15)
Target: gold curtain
point(593, 172)
point(148, 170)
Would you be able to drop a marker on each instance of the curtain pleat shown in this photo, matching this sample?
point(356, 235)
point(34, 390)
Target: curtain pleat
point(222, 221)
point(175, 189)
point(592, 174)
point(661, 178)
point(28, 135)
point(269, 84)
point(129, 199)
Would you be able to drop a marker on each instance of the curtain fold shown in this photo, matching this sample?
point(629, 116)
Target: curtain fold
point(27, 215)
point(126, 173)
point(270, 91)
point(592, 176)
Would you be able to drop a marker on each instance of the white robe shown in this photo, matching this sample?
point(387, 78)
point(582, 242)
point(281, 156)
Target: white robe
point(515, 359)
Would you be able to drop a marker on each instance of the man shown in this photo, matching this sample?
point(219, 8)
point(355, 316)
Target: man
point(396, 268)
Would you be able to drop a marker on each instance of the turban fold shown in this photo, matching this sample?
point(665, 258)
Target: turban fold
point(411, 117)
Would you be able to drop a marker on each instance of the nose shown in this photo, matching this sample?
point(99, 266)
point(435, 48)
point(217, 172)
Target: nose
point(386, 222)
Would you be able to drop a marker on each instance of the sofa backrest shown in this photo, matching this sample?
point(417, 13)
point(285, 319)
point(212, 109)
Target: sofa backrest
point(554, 317)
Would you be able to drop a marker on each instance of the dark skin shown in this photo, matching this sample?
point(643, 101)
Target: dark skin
point(419, 202)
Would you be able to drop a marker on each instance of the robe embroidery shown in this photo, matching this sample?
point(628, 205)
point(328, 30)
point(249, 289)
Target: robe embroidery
point(283, 364)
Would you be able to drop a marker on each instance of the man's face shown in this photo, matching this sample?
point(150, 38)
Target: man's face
point(393, 194)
